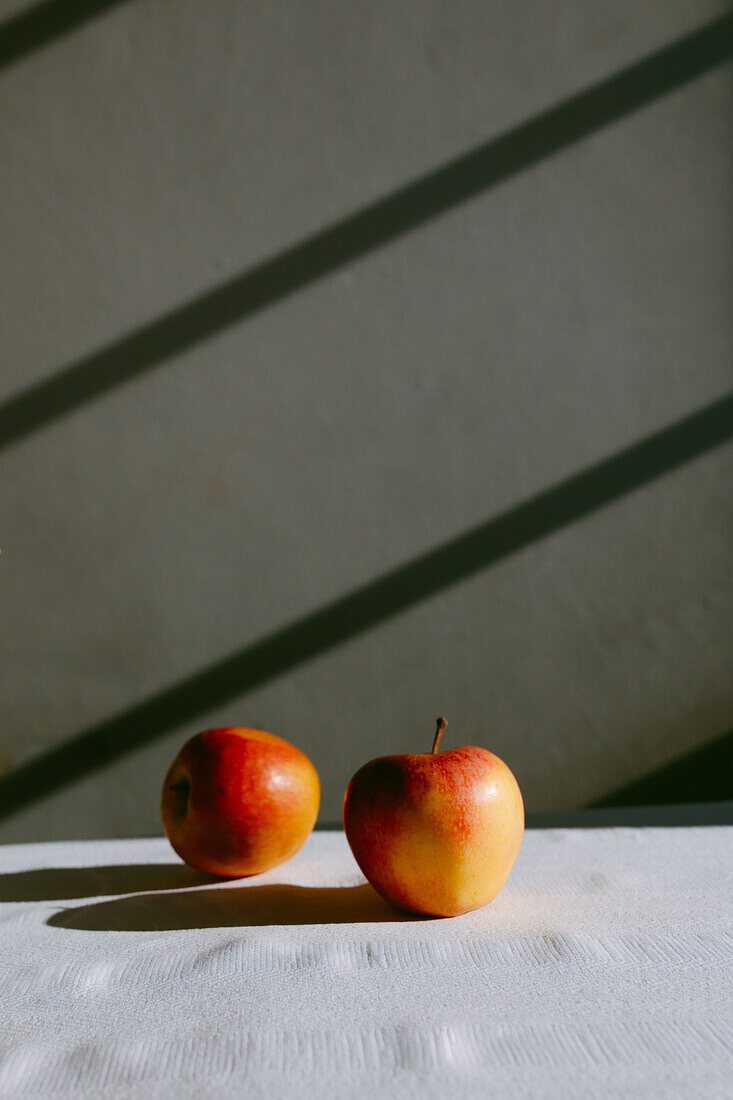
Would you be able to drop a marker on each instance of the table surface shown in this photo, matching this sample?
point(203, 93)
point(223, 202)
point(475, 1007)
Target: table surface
point(604, 969)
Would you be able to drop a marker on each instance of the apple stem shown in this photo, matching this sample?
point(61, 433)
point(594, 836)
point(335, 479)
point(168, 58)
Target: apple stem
point(441, 724)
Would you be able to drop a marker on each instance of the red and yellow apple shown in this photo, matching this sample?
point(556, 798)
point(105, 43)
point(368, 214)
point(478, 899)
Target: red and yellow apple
point(436, 832)
point(237, 801)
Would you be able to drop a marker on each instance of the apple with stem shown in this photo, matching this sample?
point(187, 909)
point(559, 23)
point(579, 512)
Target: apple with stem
point(435, 833)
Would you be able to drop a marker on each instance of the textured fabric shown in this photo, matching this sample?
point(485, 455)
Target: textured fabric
point(603, 969)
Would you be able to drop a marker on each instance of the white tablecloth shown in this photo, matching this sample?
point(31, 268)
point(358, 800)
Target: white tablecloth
point(603, 969)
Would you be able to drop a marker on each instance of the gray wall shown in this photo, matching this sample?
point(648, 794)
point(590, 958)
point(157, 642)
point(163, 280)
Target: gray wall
point(242, 481)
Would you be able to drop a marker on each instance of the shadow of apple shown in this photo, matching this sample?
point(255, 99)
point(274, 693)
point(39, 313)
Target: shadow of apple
point(227, 906)
point(65, 883)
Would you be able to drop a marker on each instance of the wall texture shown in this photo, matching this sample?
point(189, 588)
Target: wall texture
point(200, 454)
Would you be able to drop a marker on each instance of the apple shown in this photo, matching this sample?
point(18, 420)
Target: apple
point(437, 832)
point(237, 801)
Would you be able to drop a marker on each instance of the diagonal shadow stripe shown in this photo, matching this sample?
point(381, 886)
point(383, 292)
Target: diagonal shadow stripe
point(363, 232)
point(669, 816)
point(702, 775)
point(372, 604)
point(28, 31)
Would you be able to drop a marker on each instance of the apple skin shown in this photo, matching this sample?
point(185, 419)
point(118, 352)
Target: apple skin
point(237, 801)
point(435, 833)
